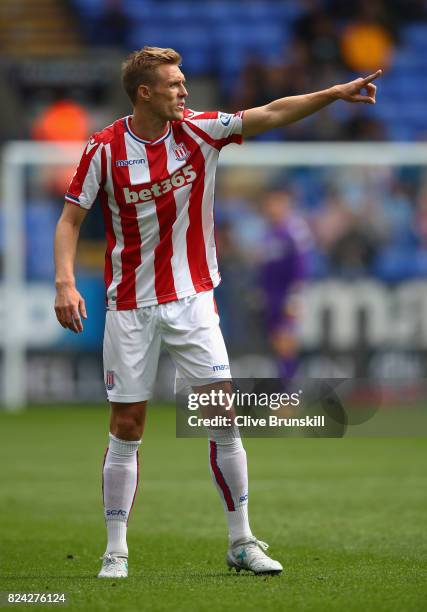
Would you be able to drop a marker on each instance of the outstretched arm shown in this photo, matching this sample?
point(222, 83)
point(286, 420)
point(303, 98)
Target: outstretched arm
point(69, 304)
point(287, 110)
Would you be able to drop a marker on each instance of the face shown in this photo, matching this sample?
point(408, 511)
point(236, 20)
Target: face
point(276, 206)
point(166, 97)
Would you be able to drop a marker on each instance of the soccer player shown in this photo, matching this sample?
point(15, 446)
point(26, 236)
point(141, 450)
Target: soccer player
point(282, 273)
point(154, 173)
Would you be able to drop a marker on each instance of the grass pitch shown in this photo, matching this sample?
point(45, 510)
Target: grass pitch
point(345, 517)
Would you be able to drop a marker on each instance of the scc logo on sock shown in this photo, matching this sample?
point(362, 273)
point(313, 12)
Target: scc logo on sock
point(122, 513)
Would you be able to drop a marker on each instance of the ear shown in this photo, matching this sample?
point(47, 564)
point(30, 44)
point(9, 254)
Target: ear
point(144, 92)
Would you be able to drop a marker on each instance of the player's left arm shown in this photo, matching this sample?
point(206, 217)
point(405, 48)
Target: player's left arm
point(287, 110)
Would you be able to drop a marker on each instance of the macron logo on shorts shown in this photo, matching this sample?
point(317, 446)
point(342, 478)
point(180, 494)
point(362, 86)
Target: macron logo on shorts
point(221, 368)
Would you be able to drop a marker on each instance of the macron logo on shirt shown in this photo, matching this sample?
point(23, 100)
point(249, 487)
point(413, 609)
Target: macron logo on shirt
point(130, 162)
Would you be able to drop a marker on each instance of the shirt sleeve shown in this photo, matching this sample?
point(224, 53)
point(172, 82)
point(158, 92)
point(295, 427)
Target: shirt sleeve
point(88, 177)
point(216, 128)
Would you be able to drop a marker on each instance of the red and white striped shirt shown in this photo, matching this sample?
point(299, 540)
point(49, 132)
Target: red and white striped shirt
point(157, 199)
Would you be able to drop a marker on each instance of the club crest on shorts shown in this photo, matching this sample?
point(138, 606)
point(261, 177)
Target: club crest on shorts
point(109, 379)
point(181, 152)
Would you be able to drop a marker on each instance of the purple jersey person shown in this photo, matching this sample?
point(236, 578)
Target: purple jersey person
point(283, 271)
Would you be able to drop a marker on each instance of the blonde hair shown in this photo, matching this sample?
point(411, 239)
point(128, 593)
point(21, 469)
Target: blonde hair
point(140, 67)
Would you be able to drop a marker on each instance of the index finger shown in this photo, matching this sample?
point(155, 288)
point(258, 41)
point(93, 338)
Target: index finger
point(372, 77)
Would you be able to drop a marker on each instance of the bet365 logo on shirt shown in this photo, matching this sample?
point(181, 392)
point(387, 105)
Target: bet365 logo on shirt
point(183, 176)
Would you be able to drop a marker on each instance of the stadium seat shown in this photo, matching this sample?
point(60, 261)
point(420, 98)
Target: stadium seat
point(394, 264)
point(415, 36)
point(190, 42)
point(89, 9)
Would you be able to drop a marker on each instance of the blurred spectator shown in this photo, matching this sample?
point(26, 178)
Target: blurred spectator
point(235, 295)
point(348, 226)
point(365, 46)
point(114, 25)
point(362, 127)
point(410, 10)
point(333, 220)
point(62, 120)
point(317, 30)
point(398, 215)
point(387, 14)
point(368, 38)
point(328, 40)
point(353, 253)
point(282, 272)
point(248, 92)
point(420, 219)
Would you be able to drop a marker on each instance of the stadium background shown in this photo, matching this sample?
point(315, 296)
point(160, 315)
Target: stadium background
point(59, 77)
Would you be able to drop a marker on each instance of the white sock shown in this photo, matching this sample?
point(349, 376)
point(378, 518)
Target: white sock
point(119, 485)
point(228, 467)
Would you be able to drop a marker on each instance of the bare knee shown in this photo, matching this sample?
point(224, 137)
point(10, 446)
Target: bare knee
point(127, 420)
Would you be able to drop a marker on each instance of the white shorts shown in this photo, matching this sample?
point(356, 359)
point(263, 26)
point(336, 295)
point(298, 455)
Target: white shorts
point(188, 328)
